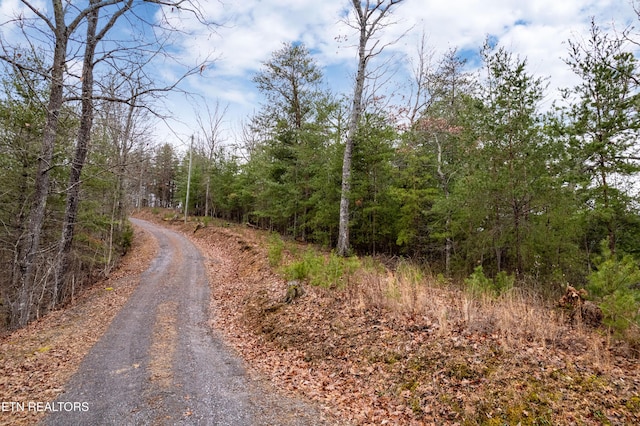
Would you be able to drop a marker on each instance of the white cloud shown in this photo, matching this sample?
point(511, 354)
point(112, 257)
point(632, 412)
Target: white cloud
point(10, 9)
point(250, 30)
point(253, 29)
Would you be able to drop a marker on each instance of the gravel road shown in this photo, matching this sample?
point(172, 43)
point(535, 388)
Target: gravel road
point(159, 362)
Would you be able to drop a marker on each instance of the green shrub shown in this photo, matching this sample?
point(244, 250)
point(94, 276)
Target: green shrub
point(318, 270)
point(441, 280)
point(612, 285)
point(126, 238)
point(620, 311)
point(297, 271)
point(336, 268)
point(503, 282)
point(305, 269)
point(612, 274)
point(478, 284)
point(331, 272)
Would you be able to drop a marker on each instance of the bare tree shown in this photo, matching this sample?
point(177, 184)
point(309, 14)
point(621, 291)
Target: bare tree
point(369, 20)
point(29, 243)
point(419, 96)
point(210, 126)
point(61, 27)
point(93, 37)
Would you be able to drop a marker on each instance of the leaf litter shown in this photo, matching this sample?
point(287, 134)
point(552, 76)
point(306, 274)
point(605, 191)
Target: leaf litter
point(442, 359)
point(37, 360)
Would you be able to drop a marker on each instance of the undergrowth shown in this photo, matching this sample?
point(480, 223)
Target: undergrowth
point(614, 285)
point(478, 284)
point(312, 266)
point(487, 306)
point(275, 248)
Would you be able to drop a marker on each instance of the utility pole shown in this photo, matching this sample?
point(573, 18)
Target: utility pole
point(186, 202)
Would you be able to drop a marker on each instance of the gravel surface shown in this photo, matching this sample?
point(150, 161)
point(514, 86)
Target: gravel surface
point(160, 363)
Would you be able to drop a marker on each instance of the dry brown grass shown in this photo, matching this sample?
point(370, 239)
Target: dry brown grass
point(518, 318)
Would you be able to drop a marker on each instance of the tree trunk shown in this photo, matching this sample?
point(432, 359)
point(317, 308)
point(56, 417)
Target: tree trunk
point(125, 147)
point(448, 243)
point(354, 119)
point(207, 195)
point(82, 147)
point(29, 243)
point(368, 17)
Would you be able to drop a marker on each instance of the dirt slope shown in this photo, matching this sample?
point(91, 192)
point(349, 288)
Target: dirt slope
point(368, 364)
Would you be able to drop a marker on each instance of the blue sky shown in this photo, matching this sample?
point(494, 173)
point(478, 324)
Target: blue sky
point(252, 29)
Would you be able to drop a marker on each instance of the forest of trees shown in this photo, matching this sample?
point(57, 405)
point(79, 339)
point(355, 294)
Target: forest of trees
point(477, 174)
point(472, 172)
point(473, 175)
point(75, 113)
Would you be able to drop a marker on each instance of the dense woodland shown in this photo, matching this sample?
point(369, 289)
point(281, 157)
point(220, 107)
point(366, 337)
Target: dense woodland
point(472, 173)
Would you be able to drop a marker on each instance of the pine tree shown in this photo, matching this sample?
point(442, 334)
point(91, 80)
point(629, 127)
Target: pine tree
point(500, 196)
point(602, 129)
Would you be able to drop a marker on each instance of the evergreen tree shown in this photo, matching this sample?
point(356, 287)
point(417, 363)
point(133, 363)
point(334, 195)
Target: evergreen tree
point(434, 162)
point(164, 176)
point(501, 195)
point(602, 129)
point(293, 128)
point(375, 210)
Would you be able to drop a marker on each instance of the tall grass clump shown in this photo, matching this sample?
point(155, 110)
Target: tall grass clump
point(275, 249)
point(408, 292)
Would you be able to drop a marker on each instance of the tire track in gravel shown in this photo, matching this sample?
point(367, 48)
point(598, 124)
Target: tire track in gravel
point(159, 362)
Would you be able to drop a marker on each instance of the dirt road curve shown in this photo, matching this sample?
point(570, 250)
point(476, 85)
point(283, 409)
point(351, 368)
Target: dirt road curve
point(159, 363)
